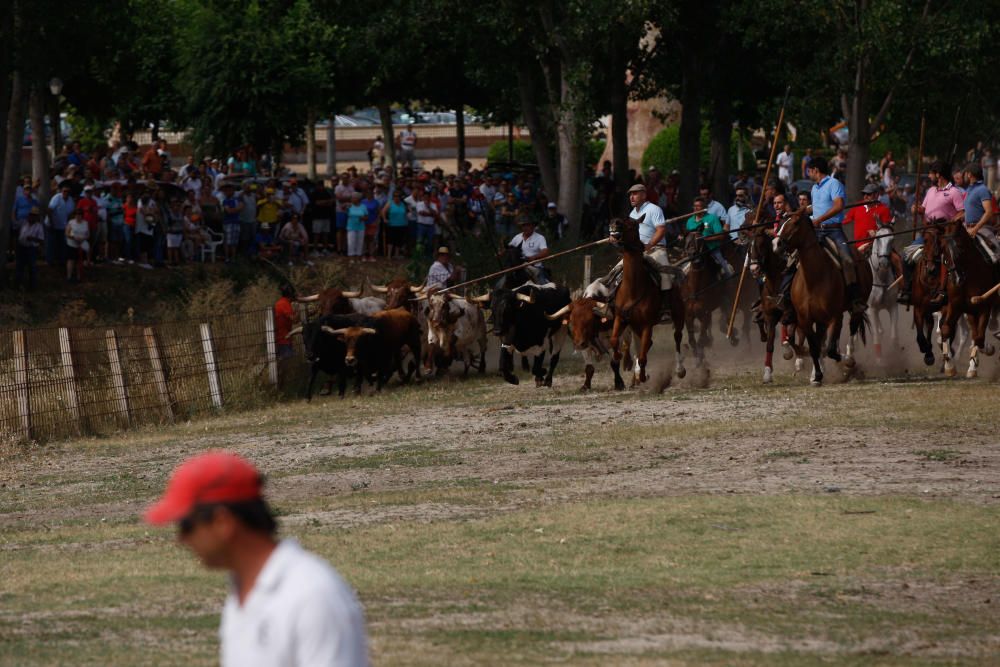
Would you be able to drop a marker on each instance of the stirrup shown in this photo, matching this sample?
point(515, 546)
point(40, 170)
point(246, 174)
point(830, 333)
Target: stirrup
point(904, 298)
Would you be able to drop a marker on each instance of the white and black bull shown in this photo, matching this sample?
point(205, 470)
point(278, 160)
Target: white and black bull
point(519, 318)
point(455, 329)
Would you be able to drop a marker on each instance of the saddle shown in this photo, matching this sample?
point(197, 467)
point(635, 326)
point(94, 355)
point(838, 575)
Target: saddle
point(913, 253)
point(830, 246)
point(985, 249)
point(653, 270)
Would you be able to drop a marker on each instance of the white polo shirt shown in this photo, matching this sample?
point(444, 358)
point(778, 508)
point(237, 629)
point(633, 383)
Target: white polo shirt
point(299, 613)
point(531, 246)
point(654, 219)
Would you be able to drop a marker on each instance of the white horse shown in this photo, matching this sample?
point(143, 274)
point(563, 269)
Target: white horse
point(884, 292)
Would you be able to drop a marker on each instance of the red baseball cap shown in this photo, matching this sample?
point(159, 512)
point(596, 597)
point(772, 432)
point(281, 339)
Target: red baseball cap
point(214, 477)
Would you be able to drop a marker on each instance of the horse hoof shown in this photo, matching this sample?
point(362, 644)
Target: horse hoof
point(928, 359)
point(989, 350)
point(850, 362)
point(787, 352)
point(681, 372)
point(768, 376)
point(734, 340)
point(620, 385)
point(815, 383)
point(950, 372)
point(584, 389)
point(511, 379)
point(972, 374)
point(798, 364)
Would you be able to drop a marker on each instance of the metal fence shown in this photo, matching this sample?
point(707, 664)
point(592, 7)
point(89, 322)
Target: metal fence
point(62, 382)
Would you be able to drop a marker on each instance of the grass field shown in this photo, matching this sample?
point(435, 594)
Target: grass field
point(487, 524)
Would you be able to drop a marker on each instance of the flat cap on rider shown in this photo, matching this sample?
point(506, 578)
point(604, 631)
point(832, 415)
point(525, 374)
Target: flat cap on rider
point(638, 187)
point(871, 189)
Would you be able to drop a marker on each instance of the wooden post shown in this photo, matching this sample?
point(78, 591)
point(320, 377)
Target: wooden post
point(21, 383)
point(117, 376)
point(272, 347)
point(159, 379)
point(69, 375)
point(587, 259)
point(214, 386)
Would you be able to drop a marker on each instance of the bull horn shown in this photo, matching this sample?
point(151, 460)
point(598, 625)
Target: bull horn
point(308, 299)
point(527, 298)
point(351, 295)
point(368, 331)
point(418, 288)
point(332, 331)
point(295, 332)
point(422, 297)
point(381, 289)
point(558, 314)
point(479, 299)
point(601, 309)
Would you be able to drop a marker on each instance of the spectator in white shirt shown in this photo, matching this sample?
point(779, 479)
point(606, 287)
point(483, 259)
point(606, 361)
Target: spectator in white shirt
point(286, 606)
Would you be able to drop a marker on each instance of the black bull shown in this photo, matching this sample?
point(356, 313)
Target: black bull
point(520, 319)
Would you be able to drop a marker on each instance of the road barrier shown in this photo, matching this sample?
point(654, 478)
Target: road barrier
point(64, 382)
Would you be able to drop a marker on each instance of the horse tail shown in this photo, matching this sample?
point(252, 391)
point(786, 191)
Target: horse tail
point(860, 325)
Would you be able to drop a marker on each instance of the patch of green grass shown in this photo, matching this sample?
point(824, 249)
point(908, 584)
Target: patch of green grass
point(942, 455)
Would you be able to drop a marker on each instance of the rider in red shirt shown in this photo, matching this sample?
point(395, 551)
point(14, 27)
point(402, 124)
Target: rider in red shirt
point(868, 218)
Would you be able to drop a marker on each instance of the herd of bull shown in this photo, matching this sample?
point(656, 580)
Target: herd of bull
point(417, 332)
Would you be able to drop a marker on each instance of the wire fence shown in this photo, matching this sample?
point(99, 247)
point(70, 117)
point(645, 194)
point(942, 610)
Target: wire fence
point(64, 382)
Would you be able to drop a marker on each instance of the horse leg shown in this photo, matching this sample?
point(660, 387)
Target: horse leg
point(833, 338)
point(679, 369)
point(925, 329)
point(786, 345)
point(876, 335)
point(769, 354)
point(645, 342)
point(947, 330)
point(814, 335)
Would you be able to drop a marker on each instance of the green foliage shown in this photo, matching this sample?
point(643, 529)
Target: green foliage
point(523, 152)
point(890, 141)
point(663, 150)
point(90, 132)
point(594, 151)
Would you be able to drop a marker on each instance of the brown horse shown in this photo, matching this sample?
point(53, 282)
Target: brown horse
point(767, 266)
point(926, 280)
point(637, 302)
point(819, 293)
point(969, 275)
point(703, 293)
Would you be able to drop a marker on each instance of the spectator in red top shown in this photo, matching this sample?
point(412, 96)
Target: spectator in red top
point(284, 319)
point(131, 214)
point(868, 218)
point(88, 207)
point(152, 163)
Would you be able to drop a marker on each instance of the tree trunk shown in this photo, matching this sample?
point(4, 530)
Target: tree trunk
point(311, 145)
point(570, 158)
point(859, 138)
point(539, 133)
point(331, 146)
point(619, 135)
point(690, 130)
point(55, 118)
point(12, 166)
point(721, 133)
point(460, 132)
point(39, 148)
point(388, 138)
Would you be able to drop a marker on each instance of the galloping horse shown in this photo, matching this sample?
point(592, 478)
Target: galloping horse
point(766, 267)
point(926, 279)
point(970, 275)
point(884, 292)
point(703, 293)
point(819, 292)
point(637, 302)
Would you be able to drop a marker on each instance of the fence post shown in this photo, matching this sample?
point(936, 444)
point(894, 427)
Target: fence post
point(272, 348)
point(586, 270)
point(214, 387)
point(159, 379)
point(117, 376)
point(69, 375)
point(21, 383)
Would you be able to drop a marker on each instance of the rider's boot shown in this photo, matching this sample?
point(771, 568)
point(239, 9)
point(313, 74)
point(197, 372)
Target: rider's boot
point(905, 294)
point(858, 304)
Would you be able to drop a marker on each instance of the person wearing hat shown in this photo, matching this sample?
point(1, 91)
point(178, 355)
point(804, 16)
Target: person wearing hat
point(869, 217)
point(533, 249)
point(653, 232)
point(554, 220)
point(442, 272)
point(286, 606)
point(30, 238)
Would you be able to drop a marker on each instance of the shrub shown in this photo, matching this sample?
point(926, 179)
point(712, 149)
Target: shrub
point(664, 150)
point(522, 152)
point(595, 149)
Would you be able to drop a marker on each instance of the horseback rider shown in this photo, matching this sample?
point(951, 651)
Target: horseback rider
point(942, 201)
point(738, 212)
point(828, 218)
point(709, 225)
point(782, 210)
point(868, 219)
point(978, 210)
point(533, 247)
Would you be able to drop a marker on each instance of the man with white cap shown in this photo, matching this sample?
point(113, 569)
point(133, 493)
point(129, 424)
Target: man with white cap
point(442, 272)
point(286, 606)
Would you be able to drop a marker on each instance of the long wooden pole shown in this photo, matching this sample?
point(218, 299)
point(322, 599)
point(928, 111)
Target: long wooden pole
point(920, 160)
point(760, 207)
point(525, 265)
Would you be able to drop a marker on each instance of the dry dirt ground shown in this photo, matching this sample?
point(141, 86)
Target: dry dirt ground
point(720, 521)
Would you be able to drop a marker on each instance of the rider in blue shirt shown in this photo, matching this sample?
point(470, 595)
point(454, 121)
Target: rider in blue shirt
point(828, 217)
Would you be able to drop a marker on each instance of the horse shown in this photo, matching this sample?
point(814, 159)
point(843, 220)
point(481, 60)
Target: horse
point(703, 293)
point(637, 302)
point(884, 292)
point(970, 275)
point(819, 293)
point(766, 266)
point(926, 279)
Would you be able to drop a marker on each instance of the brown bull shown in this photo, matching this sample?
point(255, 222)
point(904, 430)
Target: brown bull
point(590, 323)
point(399, 293)
point(331, 301)
point(379, 345)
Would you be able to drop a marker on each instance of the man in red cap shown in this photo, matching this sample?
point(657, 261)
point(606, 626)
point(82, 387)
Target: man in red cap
point(286, 605)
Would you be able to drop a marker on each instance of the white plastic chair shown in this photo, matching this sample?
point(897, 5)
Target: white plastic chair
point(209, 247)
